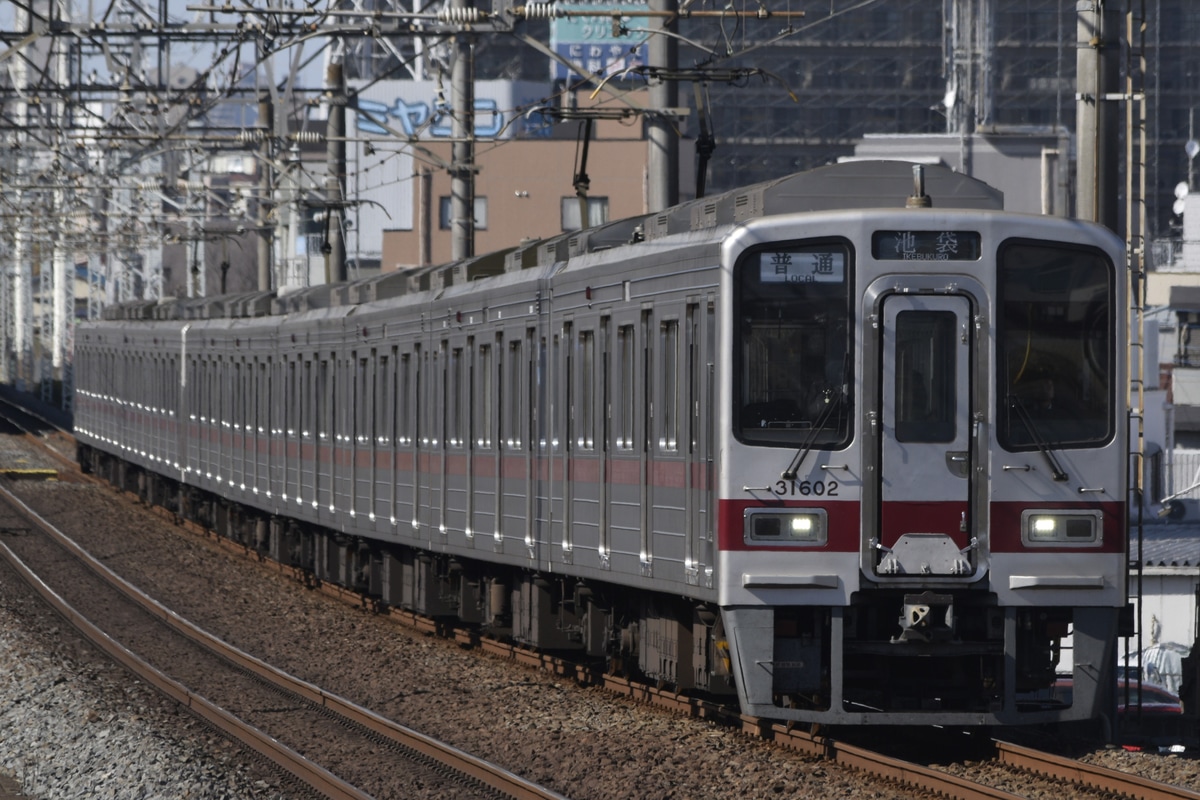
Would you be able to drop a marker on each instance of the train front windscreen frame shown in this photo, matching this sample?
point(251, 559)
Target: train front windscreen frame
point(795, 344)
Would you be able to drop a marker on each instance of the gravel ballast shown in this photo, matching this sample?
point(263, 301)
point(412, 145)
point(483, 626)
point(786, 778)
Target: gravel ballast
point(75, 726)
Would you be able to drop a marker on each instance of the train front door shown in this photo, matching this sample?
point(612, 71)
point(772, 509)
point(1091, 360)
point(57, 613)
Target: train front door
point(925, 448)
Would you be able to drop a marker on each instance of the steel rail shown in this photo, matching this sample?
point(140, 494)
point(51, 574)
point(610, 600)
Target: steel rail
point(1039, 763)
point(1111, 780)
point(311, 774)
point(904, 772)
point(68, 469)
point(486, 773)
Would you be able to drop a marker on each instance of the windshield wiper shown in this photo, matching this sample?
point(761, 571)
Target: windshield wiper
point(1030, 426)
point(831, 405)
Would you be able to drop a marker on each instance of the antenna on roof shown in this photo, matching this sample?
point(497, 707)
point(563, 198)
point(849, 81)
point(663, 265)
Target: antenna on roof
point(918, 199)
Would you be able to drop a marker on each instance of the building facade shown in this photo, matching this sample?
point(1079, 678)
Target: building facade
point(927, 67)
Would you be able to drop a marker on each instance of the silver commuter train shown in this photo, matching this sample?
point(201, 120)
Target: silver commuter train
point(852, 443)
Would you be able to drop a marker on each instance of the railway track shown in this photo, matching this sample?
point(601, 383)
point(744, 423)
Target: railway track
point(1039, 767)
point(1006, 760)
point(335, 747)
point(38, 461)
point(1089, 775)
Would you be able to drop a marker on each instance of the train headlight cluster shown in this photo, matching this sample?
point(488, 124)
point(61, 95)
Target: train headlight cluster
point(1061, 527)
point(799, 526)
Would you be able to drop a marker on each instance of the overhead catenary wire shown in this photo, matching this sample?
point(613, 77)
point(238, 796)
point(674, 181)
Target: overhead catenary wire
point(154, 113)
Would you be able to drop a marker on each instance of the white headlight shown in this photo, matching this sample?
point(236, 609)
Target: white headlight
point(1044, 526)
point(799, 526)
point(1062, 527)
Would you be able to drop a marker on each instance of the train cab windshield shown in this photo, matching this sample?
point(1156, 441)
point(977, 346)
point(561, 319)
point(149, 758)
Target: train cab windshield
point(793, 344)
point(1054, 351)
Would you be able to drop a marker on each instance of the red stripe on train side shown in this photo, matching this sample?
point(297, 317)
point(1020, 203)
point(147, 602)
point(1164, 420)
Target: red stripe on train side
point(456, 464)
point(585, 470)
point(1005, 527)
point(842, 519)
point(669, 474)
point(485, 466)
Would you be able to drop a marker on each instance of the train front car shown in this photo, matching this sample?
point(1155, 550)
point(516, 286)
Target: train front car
point(922, 492)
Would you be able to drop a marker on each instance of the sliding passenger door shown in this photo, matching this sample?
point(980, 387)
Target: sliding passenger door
point(627, 493)
point(404, 460)
point(515, 501)
point(699, 400)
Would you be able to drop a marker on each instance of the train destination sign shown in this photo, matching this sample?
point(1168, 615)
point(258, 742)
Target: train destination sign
point(926, 245)
point(789, 266)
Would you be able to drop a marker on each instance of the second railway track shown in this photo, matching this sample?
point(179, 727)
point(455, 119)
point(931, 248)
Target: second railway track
point(348, 752)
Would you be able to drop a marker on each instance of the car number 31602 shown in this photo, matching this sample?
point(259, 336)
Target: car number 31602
point(786, 488)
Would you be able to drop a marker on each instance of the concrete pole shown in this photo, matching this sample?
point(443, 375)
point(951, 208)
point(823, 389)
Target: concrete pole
point(43, 375)
point(152, 263)
point(62, 287)
point(20, 293)
point(195, 257)
point(195, 237)
point(424, 217)
point(5, 318)
point(21, 265)
point(662, 161)
point(290, 277)
point(462, 166)
point(335, 173)
point(266, 186)
point(96, 300)
point(1098, 73)
point(62, 283)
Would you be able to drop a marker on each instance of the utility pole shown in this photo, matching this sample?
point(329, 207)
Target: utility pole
point(62, 283)
point(334, 246)
point(1098, 73)
point(462, 167)
point(968, 46)
point(424, 219)
point(22, 272)
point(266, 188)
point(5, 317)
point(62, 287)
point(663, 158)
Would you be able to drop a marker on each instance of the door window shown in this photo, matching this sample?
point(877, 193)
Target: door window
point(925, 376)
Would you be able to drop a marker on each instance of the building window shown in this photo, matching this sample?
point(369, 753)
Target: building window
point(444, 214)
point(597, 210)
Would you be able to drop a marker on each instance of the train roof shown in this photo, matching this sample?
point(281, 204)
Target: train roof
point(846, 186)
point(849, 185)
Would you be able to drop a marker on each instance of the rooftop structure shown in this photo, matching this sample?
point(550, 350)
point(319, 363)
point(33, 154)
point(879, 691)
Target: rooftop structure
point(917, 66)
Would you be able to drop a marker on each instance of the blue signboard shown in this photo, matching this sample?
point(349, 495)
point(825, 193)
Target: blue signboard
point(589, 43)
point(420, 109)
